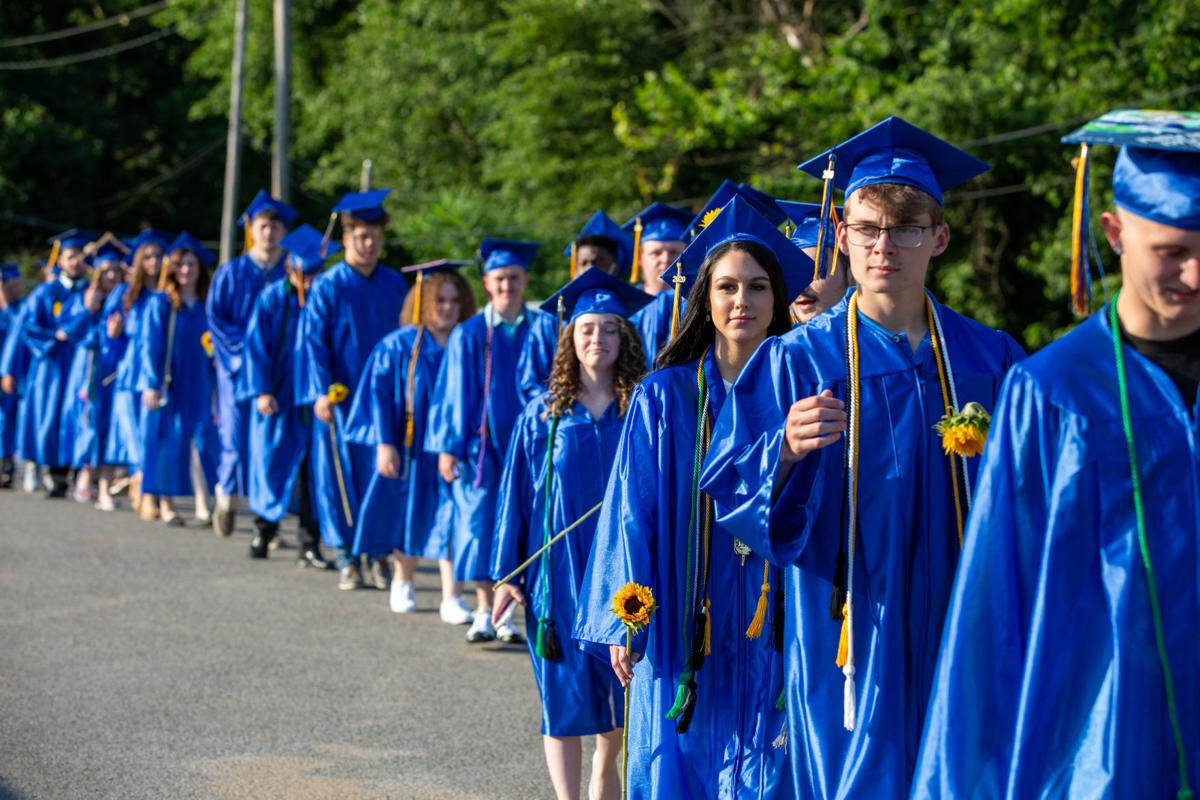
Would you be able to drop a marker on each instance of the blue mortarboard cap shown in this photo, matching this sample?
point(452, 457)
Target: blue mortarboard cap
point(895, 151)
point(367, 206)
point(807, 219)
point(601, 224)
point(263, 201)
point(660, 223)
point(440, 265)
point(106, 252)
point(10, 270)
point(740, 221)
point(304, 245)
point(500, 253)
point(185, 241)
point(596, 292)
point(74, 238)
point(146, 236)
point(761, 202)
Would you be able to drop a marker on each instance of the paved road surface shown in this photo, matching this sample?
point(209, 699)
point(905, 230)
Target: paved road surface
point(141, 661)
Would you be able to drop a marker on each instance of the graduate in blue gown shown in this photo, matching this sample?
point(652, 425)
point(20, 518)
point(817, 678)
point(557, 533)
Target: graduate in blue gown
point(12, 290)
point(558, 462)
point(281, 428)
point(353, 305)
point(50, 354)
point(176, 381)
point(14, 368)
point(1052, 676)
point(864, 613)
point(477, 401)
point(659, 231)
point(235, 287)
point(408, 509)
point(821, 294)
point(707, 672)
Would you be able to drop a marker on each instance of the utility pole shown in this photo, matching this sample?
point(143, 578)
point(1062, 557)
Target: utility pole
point(364, 182)
point(233, 143)
point(283, 95)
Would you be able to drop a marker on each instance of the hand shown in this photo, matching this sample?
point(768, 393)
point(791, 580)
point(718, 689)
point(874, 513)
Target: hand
point(448, 467)
point(505, 596)
point(8, 384)
point(60, 335)
point(622, 662)
point(387, 460)
point(151, 398)
point(323, 409)
point(116, 325)
point(812, 423)
point(93, 298)
point(266, 404)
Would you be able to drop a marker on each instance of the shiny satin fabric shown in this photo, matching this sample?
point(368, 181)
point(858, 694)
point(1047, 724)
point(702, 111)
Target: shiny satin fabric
point(128, 421)
point(413, 513)
point(654, 324)
point(580, 694)
point(279, 441)
point(1049, 682)
point(537, 356)
point(907, 545)
point(187, 417)
point(88, 404)
point(642, 536)
point(14, 360)
point(454, 428)
point(9, 322)
point(345, 315)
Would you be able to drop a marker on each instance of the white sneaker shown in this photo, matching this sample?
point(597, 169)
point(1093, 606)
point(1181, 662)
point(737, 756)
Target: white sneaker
point(481, 626)
point(401, 598)
point(30, 482)
point(505, 632)
point(455, 612)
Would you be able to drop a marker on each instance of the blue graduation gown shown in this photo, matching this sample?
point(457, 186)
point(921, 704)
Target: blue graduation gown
point(413, 513)
point(579, 693)
point(187, 417)
point(454, 424)
point(279, 442)
point(907, 544)
point(642, 535)
point(235, 286)
point(654, 324)
point(1049, 683)
point(9, 322)
point(87, 408)
point(15, 418)
point(537, 356)
point(128, 420)
point(345, 316)
point(50, 362)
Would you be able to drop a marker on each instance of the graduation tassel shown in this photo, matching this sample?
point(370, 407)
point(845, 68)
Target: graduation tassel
point(300, 291)
point(820, 268)
point(547, 645)
point(562, 313)
point(573, 261)
point(248, 237)
point(416, 314)
point(55, 249)
point(328, 233)
point(1081, 290)
point(677, 283)
point(635, 271)
point(760, 612)
point(685, 702)
point(780, 741)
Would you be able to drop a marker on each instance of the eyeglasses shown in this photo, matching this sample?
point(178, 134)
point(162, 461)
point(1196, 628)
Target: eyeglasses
point(861, 235)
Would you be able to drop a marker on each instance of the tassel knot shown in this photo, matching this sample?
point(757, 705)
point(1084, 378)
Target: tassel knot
point(547, 645)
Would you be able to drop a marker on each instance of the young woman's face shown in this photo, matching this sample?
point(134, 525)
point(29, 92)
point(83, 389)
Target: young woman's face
point(110, 275)
point(447, 309)
point(740, 299)
point(597, 339)
point(152, 256)
point(188, 272)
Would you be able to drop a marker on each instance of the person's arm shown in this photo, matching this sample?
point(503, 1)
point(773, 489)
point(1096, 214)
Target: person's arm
point(260, 351)
point(518, 489)
point(447, 430)
point(318, 350)
point(228, 332)
point(152, 343)
point(40, 327)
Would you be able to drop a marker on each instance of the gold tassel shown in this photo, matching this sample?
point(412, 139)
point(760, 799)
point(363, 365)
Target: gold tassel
point(678, 281)
point(55, 249)
point(760, 612)
point(843, 653)
point(826, 197)
point(162, 273)
point(572, 261)
point(1080, 302)
point(300, 290)
point(416, 315)
point(249, 237)
point(328, 233)
point(635, 272)
point(834, 222)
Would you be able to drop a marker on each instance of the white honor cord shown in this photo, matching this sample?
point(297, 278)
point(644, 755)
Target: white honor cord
point(849, 701)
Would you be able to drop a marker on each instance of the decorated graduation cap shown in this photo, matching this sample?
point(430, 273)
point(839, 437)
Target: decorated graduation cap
point(657, 222)
point(595, 292)
point(739, 221)
point(1157, 176)
point(602, 226)
point(9, 270)
point(304, 247)
point(429, 268)
point(185, 241)
point(763, 203)
point(366, 206)
point(806, 219)
point(500, 253)
point(891, 151)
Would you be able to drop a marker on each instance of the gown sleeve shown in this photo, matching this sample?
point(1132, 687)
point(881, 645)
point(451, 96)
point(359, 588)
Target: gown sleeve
point(10, 355)
point(374, 399)
point(318, 336)
point(263, 339)
point(537, 357)
point(227, 334)
point(743, 461)
point(446, 431)
point(40, 324)
point(153, 343)
point(516, 502)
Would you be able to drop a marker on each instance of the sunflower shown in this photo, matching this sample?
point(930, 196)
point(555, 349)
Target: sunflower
point(963, 434)
point(207, 343)
point(338, 392)
point(634, 604)
point(709, 216)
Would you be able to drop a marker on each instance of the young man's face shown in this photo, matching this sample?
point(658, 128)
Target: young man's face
point(1160, 267)
point(589, 255)
point(267, 230)
point(820, 295)
point(886, 266)
point(363, 243)
point(655, 258)
point(70, 261)
point(506, 286)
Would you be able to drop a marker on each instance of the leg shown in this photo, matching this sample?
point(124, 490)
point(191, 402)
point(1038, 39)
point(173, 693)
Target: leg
point(449, 587)
point(104, 499)
point(58, 481)
point(483, 594)
point(606, 777)
point(403, 599)
point(265, 531)
point(310, 529)
point(200, 487)
point(564, 756)
point(406, 566)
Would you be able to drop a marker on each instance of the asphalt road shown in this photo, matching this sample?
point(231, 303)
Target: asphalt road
point(141, 661)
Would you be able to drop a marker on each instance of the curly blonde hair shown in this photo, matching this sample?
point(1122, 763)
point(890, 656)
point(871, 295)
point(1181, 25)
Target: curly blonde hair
point(564, 374)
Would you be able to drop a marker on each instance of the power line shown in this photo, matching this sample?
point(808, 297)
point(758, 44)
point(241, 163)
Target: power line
point(64, 33)
point(91, 55)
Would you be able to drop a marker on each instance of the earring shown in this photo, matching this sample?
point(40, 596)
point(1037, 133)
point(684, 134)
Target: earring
point(1118, 250)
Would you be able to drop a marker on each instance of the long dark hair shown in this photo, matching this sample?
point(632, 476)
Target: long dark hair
point(696, 330)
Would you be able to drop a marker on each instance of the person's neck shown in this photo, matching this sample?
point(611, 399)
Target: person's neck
point(187, 294)
point(265, 258)
point(509, 313)
point(440, 335)
point(69, 280)
point(1140, 321)
point(897, 313)
point(732, 355)
point(596, 389)
point(361, 268)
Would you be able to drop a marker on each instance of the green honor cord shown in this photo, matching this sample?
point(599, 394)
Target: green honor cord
point(1185, 792)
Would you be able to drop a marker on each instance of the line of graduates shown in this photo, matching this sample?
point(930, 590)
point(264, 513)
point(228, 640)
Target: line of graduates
point(863, 584)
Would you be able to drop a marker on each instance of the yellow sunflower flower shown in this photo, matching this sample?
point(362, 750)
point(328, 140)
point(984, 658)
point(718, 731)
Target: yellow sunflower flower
point(207, 343)
point(964, 434)
point(709, 216)
point(338, 392)
point(634, 604)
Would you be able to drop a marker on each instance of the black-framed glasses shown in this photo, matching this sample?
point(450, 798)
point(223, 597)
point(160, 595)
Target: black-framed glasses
point(861, 235)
